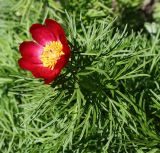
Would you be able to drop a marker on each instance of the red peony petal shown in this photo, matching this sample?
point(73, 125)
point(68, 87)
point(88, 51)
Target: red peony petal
point(46, 73)
point(41, 72)
point(41, 34)
point(27, 65)
point(55, 28)
point(30, 49)
point(58, 31)
point(47, 81)
point(54, 74)
point(52, 77)
point(66, 49)
point(61, 62)
point(35, 26)
point(33, 60)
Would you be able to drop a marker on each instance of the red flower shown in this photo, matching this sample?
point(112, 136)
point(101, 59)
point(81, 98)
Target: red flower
point(48, 54)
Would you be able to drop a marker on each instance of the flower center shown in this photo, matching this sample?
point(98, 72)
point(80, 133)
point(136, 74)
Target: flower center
point(51, 53)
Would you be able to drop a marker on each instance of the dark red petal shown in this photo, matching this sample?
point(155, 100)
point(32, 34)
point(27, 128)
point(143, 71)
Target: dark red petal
point(30, 49)
point(61, 62)
point(58, 31)
point(33, 60)
point(53, 77)
point(42, 72)
point(66, 49)
point(55, 28)
point(41, 34)
point(39, 71)
point(27, 65)
point(35, 26)
point(47, 81)
point(57, 69)
point(46, 73)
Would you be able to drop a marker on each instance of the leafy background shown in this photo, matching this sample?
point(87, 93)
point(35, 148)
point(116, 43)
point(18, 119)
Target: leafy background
point(107, 99)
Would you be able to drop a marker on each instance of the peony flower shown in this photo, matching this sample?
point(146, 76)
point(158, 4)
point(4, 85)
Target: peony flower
point(48, 53)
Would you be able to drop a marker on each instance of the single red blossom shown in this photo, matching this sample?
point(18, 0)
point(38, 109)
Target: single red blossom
point(48, 53)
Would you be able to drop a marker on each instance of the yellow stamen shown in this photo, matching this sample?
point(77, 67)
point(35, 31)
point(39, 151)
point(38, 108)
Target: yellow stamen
point(51, 53)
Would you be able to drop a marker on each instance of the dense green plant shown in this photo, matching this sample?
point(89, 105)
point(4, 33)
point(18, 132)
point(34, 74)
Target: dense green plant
point(105, 100)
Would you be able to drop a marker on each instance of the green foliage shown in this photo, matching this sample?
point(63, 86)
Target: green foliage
point(134, 3)
point(107, 99)
point(156, 13)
